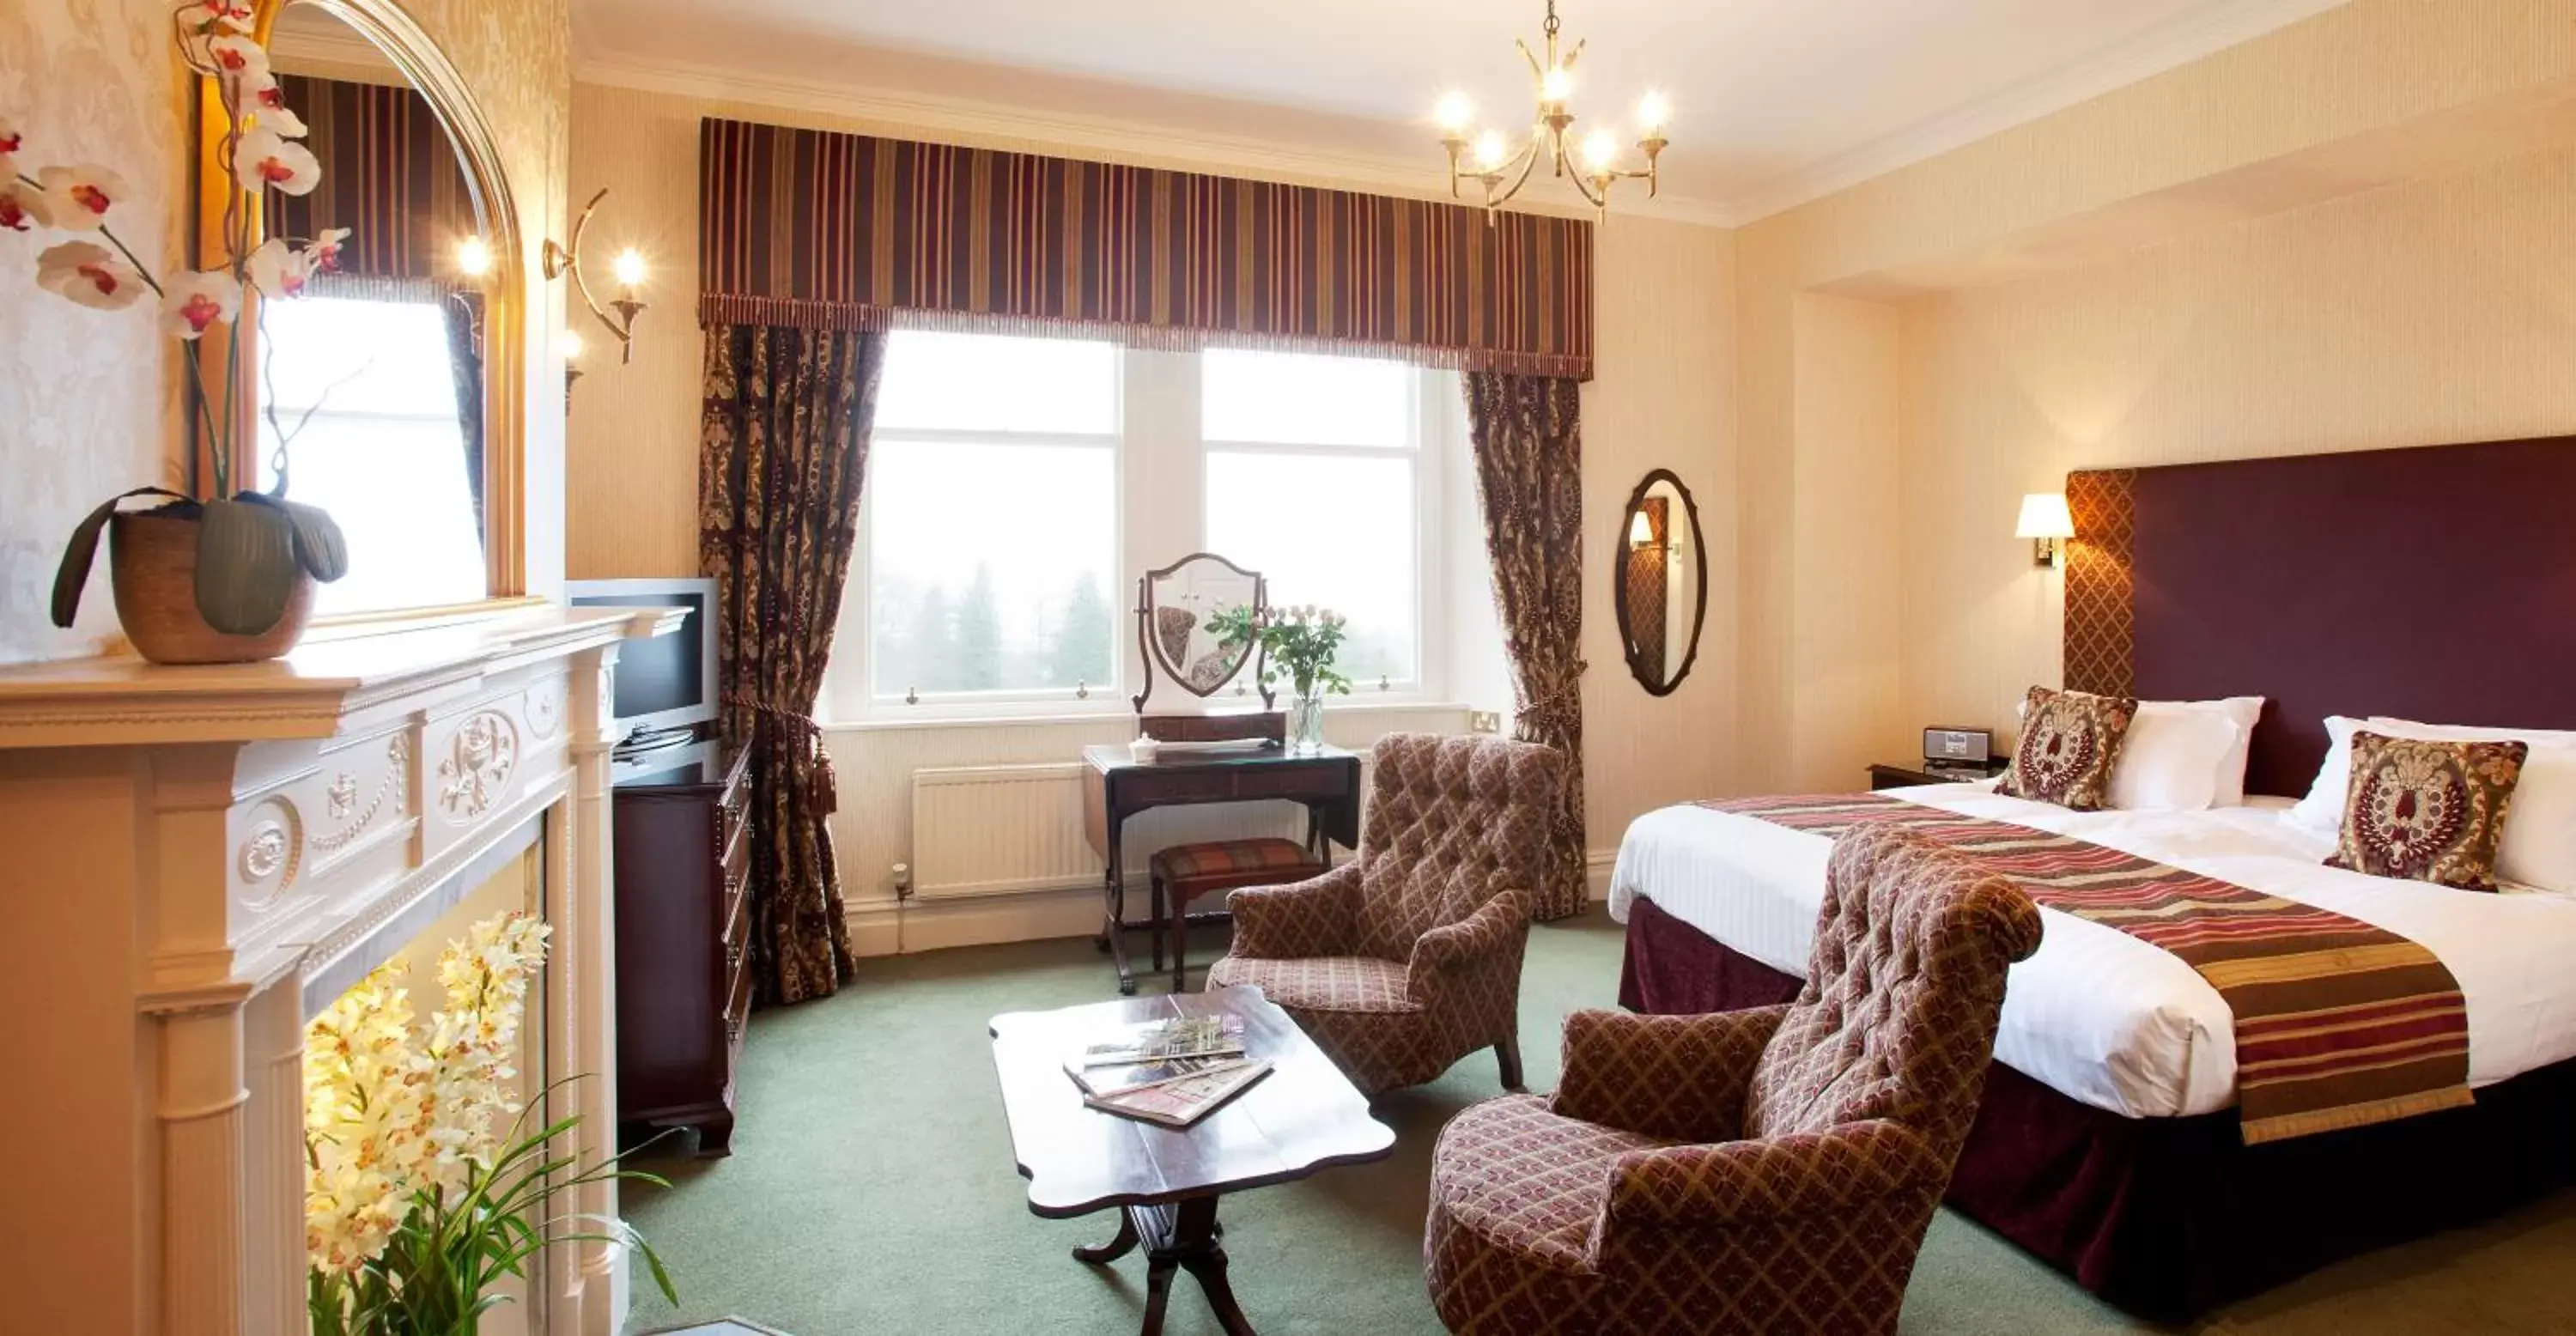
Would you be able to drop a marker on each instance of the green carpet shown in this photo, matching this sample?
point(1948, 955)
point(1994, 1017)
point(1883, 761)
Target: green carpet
point(871, 1190)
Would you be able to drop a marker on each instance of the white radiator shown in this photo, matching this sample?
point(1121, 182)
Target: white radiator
point(1008, 829)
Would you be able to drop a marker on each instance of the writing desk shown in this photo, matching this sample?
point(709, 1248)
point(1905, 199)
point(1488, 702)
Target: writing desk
point(1116, 786)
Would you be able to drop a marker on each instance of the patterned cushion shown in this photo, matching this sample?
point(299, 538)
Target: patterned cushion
point(2069, 742)
point(1323, 983)
point(2428, 811)
point(1543, 1224)
point(1216, 863)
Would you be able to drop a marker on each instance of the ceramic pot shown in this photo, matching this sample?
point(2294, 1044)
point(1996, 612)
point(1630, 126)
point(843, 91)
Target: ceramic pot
point(152, 566)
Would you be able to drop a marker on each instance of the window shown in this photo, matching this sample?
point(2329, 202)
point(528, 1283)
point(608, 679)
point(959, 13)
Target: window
point(1310, 480)
point(1017, 486)
point(993, 518)
point(379, 447)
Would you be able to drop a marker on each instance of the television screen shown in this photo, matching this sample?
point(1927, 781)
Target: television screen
point(665, 681)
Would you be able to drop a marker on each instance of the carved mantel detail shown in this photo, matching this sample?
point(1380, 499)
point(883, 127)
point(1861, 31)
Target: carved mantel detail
point(479, 762)
point(343, 795)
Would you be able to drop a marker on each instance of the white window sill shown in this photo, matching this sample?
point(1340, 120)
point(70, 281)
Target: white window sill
point(1094, 718)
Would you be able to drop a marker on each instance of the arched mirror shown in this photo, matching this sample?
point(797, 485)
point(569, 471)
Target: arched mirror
point(1175, 607)
point(1662, 595)
point(392, 379)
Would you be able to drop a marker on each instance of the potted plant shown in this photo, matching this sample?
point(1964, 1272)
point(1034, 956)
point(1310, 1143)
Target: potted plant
point(418, 1199)
point(225, 576)
point(1297, 643)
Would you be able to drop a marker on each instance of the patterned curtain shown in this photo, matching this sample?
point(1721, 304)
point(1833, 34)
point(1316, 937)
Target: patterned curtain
point(784, 447)
point(463, 312)
point(1529, 477)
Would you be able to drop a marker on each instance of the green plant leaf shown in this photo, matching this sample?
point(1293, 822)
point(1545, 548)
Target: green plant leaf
point(72, 576)
point(245, 566)
point(319, 548)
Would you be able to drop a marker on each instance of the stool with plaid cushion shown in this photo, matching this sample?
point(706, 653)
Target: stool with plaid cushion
point(1185, 872)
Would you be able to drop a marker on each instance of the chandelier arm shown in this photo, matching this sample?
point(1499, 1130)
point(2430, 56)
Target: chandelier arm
point(1528, 162)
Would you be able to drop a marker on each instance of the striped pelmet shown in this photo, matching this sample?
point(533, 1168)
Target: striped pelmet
point(389, 175)
point(824, 229)
point(2338, 1023)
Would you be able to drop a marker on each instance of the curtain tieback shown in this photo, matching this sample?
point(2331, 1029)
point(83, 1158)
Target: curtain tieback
point(1557, 713)
point(798, 729)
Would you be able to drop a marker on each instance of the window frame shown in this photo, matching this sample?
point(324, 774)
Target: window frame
point(1159, 499)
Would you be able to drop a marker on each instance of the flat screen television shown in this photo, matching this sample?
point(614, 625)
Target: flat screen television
point(667, 683)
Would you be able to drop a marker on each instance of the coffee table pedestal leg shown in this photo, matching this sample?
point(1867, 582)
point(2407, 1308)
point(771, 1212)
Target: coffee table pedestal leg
point(1183, 1236)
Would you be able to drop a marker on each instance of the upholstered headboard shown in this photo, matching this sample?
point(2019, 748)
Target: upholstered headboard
point(2436, 583)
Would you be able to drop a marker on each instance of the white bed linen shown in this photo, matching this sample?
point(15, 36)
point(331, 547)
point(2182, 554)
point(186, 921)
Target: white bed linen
point(2096, 1014)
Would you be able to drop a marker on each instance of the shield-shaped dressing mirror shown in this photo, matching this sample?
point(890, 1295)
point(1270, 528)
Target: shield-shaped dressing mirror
point(1175, 606)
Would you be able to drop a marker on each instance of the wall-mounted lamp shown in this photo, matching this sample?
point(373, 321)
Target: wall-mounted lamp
point(628, 269)
point(571, 354)
point(2046, 522)
point(1641, 535)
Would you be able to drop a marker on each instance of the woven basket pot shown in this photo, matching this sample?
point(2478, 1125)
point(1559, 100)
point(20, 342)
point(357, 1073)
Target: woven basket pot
point(152, 565)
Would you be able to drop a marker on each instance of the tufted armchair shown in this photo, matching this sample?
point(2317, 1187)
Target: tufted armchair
point(1408, 957)
point(1771, 1170)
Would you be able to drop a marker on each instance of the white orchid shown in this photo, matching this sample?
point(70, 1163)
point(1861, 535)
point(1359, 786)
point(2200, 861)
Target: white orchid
point(278, 269)
point(10, 139)
point(197, 301)
point(22, 206)
point(238, 58)
point(322, 255)
point(91, 275)
point(215, 17)
point(266, 159)
point(80, 196)
point(268, 107)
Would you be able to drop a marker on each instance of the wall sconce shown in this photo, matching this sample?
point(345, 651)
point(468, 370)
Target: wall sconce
point(628, 270)
point(571, 354)
point(474, 257)
point(1641, 535)
point(2046, 522)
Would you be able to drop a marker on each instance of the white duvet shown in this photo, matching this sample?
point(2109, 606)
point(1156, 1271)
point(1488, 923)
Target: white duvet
point(2098, 1015)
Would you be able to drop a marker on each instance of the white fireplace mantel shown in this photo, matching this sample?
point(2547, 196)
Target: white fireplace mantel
point(194, 862)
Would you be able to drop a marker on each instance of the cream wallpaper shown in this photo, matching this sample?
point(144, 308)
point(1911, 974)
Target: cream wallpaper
point(2300, 118)
point(1663, 397)
point(94, 80)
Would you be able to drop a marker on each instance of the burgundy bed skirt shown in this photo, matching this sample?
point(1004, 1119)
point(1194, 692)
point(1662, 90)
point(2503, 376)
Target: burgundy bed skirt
point(2169, 1217)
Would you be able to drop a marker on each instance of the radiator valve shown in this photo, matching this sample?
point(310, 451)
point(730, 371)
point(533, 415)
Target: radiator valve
point(902, 873)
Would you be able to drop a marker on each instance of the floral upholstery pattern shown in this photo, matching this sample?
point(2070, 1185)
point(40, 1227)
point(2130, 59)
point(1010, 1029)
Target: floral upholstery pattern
point(1760, 1171)
point(1408, 957)
point(2428, 811)
point(2069, 742)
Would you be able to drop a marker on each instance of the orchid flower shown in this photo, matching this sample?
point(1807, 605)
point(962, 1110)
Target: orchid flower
point(322, 256)
point(278, 269)
point(10, 140)
point(269, 110)
point(266, 159)
point(238, 58)
point(196, 301)
point(22, 206)
point(216, 17)
point(91, 275)
point(78, 198)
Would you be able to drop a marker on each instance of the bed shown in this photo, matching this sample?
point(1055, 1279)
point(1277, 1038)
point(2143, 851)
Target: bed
point(2109, 1144)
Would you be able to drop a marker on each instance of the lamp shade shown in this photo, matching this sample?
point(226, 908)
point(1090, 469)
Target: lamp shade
point(2044, 515)
point(1641, 532)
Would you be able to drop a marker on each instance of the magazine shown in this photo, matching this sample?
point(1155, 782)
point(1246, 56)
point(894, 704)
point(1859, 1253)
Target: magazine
point(1106, 1081)
point(1185, 1101)
point(1179, 1037)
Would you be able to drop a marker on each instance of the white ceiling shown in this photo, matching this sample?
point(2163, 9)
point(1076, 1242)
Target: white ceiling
point(1775, 100)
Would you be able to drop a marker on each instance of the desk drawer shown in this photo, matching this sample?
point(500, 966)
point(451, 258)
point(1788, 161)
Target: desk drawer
point(1289, 781)
point(1177, 786)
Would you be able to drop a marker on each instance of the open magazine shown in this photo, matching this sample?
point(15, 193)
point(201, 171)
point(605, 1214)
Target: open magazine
point(1158, 1041)
point(1183, 1100)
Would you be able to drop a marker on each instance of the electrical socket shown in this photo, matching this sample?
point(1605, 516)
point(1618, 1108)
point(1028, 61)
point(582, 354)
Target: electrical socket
point(1484, 721)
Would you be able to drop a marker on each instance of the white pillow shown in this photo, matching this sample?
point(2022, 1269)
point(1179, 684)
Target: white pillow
point(2539, 844)
point(2244, 711)
point(2173, 758)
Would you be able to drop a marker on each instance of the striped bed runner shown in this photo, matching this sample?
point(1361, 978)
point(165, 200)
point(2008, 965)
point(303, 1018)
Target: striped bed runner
point(2338, 1024)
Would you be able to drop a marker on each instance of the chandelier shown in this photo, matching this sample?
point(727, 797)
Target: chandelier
point(1489, 159)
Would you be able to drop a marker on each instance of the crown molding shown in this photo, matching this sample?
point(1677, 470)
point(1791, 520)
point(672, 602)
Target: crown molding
point(969, 121)
point(2158, 50)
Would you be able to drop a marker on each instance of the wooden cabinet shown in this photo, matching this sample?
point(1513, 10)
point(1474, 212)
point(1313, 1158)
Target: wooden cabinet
point(683, 863)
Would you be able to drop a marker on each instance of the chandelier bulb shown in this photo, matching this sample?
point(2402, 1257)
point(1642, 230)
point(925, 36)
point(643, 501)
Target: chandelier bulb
point(1454, 113)
point(1491, 150)
point(1599, 149)
point(1652, 112)
point(1556, 85)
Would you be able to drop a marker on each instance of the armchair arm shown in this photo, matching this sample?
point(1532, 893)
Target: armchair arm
point(1299, 920)
point(1475, 937)
point(1813, 1174)
point(1678, 1077)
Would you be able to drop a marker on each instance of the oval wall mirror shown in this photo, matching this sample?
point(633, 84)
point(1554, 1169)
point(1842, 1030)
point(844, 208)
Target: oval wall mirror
point(1662, 594)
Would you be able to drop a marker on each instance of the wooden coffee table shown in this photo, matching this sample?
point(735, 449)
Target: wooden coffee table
point(1301, 1117)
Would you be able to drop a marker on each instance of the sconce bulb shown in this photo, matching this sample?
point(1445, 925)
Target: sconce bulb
point(1490, 150)
point(473, 257)
point(1652, 112)
point(571, 346)
point(630, 267)
point(1454, 113)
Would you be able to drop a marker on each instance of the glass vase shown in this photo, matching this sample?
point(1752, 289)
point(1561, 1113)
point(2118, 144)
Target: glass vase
point(1305, 725)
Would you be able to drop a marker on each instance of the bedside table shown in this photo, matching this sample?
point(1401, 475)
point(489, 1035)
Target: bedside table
point(1907, 776)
